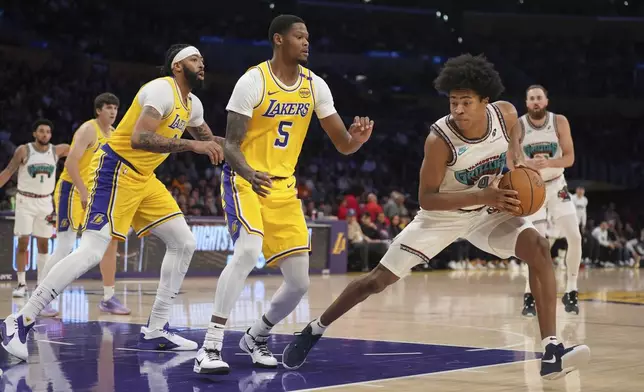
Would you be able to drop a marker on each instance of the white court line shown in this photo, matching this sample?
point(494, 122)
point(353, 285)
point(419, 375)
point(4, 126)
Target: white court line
point(148, 351)
point(497, 348)
point(55, 342)
point(415, 375)
point(275, 355)
point(384, 354)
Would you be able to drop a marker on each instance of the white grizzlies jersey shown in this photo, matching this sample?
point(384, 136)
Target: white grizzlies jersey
point(542, 141)
point(475, 163)
point(37, 175)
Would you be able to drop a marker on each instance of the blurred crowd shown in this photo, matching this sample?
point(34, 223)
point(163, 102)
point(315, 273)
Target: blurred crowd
point(374, 189)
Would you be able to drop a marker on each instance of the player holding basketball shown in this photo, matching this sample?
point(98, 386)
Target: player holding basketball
point(125, 192)
point(464, 153)
point(71, 198)
point(268, 117)
point(548, 146)
point(36, 165)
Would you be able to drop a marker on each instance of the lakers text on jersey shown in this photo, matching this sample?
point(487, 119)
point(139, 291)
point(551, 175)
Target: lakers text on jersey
point(69, 210)
point(273, 144)
point(124, 190)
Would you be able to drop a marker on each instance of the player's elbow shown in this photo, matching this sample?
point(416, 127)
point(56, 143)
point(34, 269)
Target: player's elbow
point(135, 140)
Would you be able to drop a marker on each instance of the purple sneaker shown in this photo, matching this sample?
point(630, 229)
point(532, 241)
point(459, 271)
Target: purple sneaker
point(114, 306)
point(49, 312)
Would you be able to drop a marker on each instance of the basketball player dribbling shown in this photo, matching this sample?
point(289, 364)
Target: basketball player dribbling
point(268, 117)
point(548, 146)
point(125, 192)
point(36, 164)
point(465, 153)
point(71, 198)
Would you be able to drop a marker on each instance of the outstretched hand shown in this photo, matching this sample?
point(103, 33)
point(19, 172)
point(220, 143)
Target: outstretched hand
point(360, 129)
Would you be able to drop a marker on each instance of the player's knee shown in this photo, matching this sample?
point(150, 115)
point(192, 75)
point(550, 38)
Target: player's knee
point(300, 285)
point(43, 245)
point(23, 244)
point(189, 244)
point(542, 249)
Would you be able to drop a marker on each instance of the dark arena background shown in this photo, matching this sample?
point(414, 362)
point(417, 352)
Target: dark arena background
point(456, 323)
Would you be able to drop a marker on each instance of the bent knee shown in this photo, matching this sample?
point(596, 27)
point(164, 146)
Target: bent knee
point(189, 244)
point(379, 279)
point(301, 286)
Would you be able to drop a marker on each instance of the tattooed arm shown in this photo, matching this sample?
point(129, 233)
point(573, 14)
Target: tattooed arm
point(145, 137)
point(236, 128)
point(203, 132)
point(18, 157)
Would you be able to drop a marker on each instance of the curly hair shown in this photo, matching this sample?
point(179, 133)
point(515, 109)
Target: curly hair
point(166, 69)
point(467, 72)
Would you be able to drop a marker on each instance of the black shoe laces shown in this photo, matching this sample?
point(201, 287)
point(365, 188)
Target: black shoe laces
point(262, 346)
point(213, 355)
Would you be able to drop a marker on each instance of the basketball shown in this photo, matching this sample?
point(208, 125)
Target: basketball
point(530, 186)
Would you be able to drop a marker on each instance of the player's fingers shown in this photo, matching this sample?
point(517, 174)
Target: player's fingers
point(512, 200)
point(264, 179)
point(509, 192)
point(261, 191)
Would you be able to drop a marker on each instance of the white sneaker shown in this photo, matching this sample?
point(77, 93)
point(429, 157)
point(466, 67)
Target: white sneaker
point(13, 333)
point(258, 350)
point(20, 291)
point(164, 339)
point(210, 362)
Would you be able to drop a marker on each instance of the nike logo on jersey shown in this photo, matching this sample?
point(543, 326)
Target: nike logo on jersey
point(291, 186)
point(272, 92)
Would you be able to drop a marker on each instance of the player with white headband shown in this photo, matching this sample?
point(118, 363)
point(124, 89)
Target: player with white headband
point(125, 192)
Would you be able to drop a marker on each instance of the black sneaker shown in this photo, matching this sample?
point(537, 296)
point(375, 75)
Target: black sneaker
point(529, 306)
point(570, 300)
point(558, 361)
point(295, 352)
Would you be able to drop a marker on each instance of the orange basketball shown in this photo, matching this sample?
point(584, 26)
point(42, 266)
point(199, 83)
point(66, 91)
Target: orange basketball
point(531, 188)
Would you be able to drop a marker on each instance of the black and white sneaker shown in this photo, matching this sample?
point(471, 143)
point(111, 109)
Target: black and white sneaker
point(295, 352)
point(529, 306)
point(571, 302)
point(257, 348)
point(558, 361)
point(209, 362)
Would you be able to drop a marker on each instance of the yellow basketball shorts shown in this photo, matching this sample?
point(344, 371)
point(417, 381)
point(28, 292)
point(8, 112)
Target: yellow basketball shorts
point(69, 211)
point(278, 218)
point(121, 197)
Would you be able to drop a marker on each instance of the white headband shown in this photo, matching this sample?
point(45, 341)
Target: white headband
point(185, 53)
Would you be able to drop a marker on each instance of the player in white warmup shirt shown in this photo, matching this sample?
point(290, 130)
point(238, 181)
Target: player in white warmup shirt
point(549, 148)
point(465, 153)
point(581, 204)
point(36, 165)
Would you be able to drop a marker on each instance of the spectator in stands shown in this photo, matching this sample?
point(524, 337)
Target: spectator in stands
point(607, 254)
point(395, 227)
point(372, 206)
point(383, 226)
point(396, 205)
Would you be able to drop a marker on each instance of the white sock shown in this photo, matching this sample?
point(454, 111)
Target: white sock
point(570, 229)
point(22, 278)
point(214, 339)
point(317, 327)
point(180, 245)
point(108, 293)
point(41, 261)
point(262, 327)
point(527, 282)
point(92, 248)
point(549, 340)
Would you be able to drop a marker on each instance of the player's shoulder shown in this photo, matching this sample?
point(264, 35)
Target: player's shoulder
point(195, 99)
point(560, 118)
point(506, 108)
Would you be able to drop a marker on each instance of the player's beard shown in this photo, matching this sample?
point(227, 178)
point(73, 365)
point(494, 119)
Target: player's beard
point(193, 79)
point(537, 114)
point(41, 143)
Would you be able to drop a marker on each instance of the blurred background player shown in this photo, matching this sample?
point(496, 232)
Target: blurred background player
point(36, 165)
point(125, 192)
point(269, 113)
point(548, 146)
point(580, 201)
point(71, 198)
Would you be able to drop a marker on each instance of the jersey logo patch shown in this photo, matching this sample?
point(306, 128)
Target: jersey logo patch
point(305, 92)
point(563, 194)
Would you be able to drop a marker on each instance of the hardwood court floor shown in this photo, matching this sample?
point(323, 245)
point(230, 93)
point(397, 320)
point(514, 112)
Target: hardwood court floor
point(438, 331)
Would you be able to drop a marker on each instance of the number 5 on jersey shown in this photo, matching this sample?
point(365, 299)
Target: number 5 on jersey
point(282, 134)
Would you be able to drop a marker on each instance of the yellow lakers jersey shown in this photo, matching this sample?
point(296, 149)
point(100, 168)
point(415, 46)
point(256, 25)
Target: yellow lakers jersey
point(85, 159)
point(279, 124)
point(172, 126)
